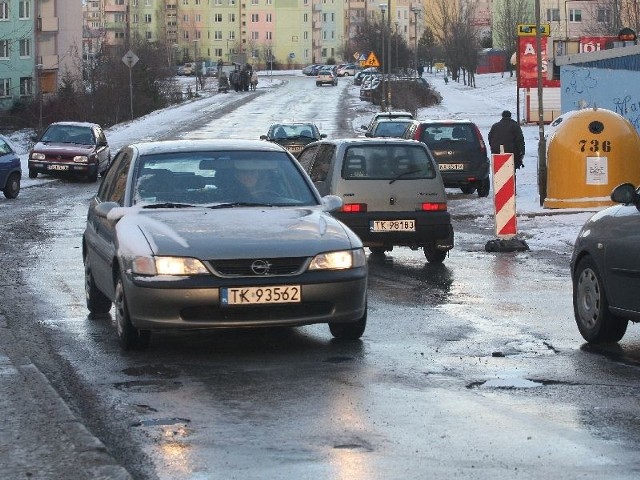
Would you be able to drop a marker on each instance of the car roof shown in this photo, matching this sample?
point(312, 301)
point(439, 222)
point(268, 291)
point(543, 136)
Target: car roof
point(453, 121)
point(348, 142)
point(149, 148)
point(75, 124)
point(291, 123)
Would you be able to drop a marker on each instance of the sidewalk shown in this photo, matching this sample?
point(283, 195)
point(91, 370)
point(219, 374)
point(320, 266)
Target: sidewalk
point(41, 438)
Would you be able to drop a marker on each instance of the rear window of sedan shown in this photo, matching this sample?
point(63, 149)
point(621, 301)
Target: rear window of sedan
point(212, 177)
point(388, 162)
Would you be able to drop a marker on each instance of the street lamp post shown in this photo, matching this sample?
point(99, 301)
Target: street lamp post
point(383, 9)
point(416, 11)
point(39, 80)
point(397, 61)
point(195, 61)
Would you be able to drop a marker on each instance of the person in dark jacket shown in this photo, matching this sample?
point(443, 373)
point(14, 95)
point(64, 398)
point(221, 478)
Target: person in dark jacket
point(507, 134)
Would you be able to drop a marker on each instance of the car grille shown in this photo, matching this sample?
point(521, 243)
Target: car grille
point(262, 267)
point(260, 312)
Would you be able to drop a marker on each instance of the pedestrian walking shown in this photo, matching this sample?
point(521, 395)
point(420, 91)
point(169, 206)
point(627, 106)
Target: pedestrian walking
point(506, 136)
point(420, 70)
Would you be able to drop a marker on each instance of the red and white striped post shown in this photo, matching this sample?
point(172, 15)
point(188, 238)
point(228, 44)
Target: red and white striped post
point(504, 187)
point(504, 200)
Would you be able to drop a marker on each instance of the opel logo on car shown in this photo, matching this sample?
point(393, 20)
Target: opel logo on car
point(260, 267)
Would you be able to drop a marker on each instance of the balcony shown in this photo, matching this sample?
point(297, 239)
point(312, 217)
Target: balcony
point(49, 62)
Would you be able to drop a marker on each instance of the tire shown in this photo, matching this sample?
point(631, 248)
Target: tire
point(377, 251)
point(12, 188)
point(484, 186)
point(591, 306)
point(468, 189)
point(318, 84)
point(130, 337)
point(33, 173)
point(433, 255)
point(349, 331)
point(97, 302)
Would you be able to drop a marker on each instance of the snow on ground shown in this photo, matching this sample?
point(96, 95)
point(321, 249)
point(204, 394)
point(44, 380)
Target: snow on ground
point(541, 228)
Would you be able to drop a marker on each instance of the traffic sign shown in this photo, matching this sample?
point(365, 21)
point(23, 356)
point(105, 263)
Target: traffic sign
point(372, 61)
point(130, 59)
point(356, 55)
point(529, 29)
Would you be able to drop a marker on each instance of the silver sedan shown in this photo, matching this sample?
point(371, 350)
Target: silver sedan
point(211, 234)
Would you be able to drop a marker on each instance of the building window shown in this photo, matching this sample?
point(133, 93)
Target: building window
point(269, 18)
point(147, 18)
point(119, 2)
point(254, 2)
point(198, 35)
point(24, 10)
point(305, 18)
point(603, 15)
point(5, 87)
point(147, 35)
point(255, 18)
point(553, 14)
point(218, 2)
point(118, 17)
point(119, 35)
point(147, 3)
point(4, 48)
point(185, 35)
point(575, 15)
point(135, 18)
point(217, 35)
point(232, 2)
point(232, 35)
point(217, 52)
point(232, 18)
point(25, 86)
point(4, 11)
point(255, 35)
point(269, 35)
point(217, 17)
point(185, 2)
point(25, 47)
point(198, 18)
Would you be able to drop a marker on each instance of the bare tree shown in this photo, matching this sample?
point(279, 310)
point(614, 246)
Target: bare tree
point(608, 17)
point(508, 14)
point(453, 30)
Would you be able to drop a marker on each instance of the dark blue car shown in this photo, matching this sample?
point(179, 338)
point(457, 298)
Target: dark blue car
point(10, 171)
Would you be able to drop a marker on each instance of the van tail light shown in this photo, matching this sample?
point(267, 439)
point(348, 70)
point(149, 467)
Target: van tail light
point(483, 147)
point(434, 207)
point(354, 207)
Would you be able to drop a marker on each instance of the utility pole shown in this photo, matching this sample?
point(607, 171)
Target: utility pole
point(542, 143)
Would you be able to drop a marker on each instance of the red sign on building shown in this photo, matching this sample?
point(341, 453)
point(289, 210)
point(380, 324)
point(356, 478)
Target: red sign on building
point(528, 64)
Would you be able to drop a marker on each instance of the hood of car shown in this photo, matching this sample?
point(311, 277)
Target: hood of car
point(53, 148)
point(235, 232)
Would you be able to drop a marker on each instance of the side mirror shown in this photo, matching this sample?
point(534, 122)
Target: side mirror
point(263, 137)
point(323, 135)
point(624, 193)
point(331, 203)
point(103, 209)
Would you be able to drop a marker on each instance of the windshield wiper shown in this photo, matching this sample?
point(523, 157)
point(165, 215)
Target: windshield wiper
point(240, 204)
point(169, 205)
point(400, 175)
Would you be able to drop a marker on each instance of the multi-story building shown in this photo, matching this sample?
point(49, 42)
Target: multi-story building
point(37, 47)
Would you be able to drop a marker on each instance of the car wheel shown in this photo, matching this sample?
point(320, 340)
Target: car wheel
point(97, 302)
point(129, 336)
point(591, 306)
point(33, 173)
point(433, 255)
point(349, 331)
point(12, 188)
point(484, 186)
point(468, 189)
point(318, 84)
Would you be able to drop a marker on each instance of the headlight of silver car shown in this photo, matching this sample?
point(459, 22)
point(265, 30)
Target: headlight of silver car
point(37, 156)
point(168, 266)
point(81, 159)
point(341, 260)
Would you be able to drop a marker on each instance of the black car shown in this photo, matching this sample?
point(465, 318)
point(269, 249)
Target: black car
point(389, 127)
point(293, 135)
point(459, 149)
point(605, 269)
point(71, 148)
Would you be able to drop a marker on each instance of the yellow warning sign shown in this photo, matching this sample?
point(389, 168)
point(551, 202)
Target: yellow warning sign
point(371, 61)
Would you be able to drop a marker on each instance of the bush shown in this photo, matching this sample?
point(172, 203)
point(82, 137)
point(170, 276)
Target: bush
point(408, 95)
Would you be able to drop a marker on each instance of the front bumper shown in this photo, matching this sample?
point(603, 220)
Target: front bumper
point(57, 168)
point(327, 297)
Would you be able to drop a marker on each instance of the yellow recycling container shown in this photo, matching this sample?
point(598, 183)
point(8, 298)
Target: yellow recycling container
point(589, 154)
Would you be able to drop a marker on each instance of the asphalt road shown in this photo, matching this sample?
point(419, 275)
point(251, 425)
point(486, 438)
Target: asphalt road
point(472, 369)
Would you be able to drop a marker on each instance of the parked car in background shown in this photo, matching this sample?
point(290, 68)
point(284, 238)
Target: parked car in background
point(388, 127)
point(10, 170)
point(187, 69)
point(71, 148)
point(392, 189)
point(392, 114)
point(459, 149)
point(293, 135)
point(312, 69)
point(348, 69)
point(326, 76)
point(359, 76)
point(219, 234)
point(370, 83)
point(605, 268)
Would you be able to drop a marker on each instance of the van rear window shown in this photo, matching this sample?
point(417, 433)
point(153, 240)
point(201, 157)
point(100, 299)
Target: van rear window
point(387, 162)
